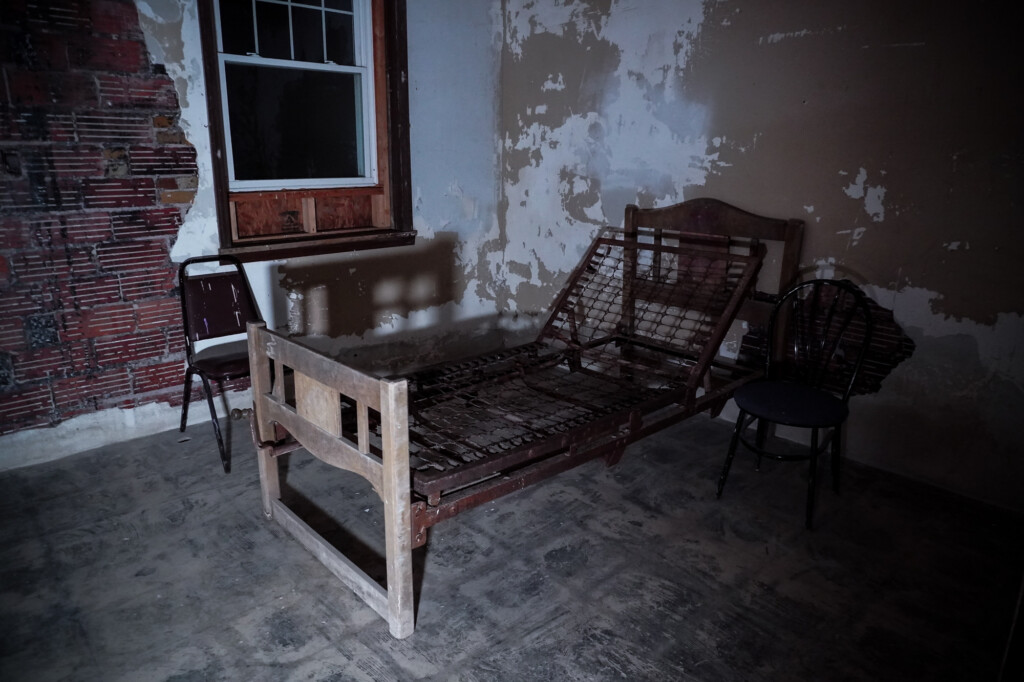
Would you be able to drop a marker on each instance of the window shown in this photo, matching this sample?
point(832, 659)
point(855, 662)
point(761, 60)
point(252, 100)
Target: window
point(309, 124)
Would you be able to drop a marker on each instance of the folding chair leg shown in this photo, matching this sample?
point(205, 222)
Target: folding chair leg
point(811, 478)
point(184, 400)
point(732, 452)
point(224, 458)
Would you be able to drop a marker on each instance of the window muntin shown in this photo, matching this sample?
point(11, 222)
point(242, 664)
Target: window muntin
point(297, 93)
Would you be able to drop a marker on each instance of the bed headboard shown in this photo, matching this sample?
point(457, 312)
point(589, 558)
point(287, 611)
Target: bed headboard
point(714, 217)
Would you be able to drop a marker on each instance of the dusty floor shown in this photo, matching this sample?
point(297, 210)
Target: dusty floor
point(145, 562)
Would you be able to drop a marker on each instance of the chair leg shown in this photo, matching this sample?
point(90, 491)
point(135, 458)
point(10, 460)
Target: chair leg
point(762, 433)
point(184, 400)
point(225, 460)
point(837, 439)
point(732, 452)
point(811, 478)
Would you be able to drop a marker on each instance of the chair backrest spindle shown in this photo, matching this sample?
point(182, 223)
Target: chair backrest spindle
point(819, 334)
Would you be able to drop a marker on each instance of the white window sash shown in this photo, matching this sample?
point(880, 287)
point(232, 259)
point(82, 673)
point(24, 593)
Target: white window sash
point(366, 118)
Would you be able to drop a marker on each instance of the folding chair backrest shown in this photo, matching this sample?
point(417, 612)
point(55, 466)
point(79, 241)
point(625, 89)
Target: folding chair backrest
point(216, 304)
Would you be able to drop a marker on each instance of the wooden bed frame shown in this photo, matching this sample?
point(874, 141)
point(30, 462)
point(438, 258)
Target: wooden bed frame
point(631, 346)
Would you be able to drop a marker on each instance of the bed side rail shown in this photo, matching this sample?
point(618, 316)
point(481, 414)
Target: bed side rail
point(310, 410)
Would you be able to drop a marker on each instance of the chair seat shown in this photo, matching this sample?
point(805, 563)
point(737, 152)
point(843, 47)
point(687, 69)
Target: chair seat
point(792, 404)
point(227, 366)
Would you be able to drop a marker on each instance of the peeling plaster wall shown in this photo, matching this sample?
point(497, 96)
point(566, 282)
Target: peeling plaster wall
point(886, 126)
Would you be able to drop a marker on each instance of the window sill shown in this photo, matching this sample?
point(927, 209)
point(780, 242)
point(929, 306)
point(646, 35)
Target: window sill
point(352, 240)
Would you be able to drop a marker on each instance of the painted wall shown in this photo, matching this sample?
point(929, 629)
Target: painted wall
point(885, 127)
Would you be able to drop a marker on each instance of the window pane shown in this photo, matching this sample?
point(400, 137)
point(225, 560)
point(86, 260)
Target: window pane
point(307, 25)
point(340, 46)
point(272, 29)
point(311, 3)
point(293, 123)
point(236, 26)
point(345, 5)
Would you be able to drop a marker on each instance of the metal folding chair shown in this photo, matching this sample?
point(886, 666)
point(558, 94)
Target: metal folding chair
point(215, 305)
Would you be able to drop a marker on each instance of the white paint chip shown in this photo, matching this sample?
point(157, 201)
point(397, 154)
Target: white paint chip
point(873, 196)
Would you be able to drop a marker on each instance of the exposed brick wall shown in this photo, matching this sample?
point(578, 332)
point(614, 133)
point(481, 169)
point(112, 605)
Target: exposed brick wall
point(95, 178)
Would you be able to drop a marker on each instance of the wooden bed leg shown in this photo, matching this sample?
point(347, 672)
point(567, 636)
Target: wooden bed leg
point(270, 483)
point(397, 507)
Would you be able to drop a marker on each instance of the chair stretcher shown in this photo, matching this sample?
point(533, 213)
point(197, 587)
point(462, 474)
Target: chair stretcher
point(631, 346)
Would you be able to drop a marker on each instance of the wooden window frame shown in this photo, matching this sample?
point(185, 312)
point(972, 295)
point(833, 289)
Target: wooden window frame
point(380, 215)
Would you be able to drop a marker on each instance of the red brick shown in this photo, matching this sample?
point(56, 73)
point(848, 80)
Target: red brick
point(117, 17)
point(130, 349)
point(71, 228)
point(118, 193)
point(162, 314)
point(159, 377)
point(61, 89)
point(91, 292)
point(81, 357)
point(113, 127)
point(146, 285)
point(177, 197)
point(108, 320)
point(152, 222)
point(71, 326)
point(50, 52)
point(22, 300)
point(26, 406)
point(165, 121)
point(163, 160)
point(40, 194)
point(5, 272)
point(37, 364)
point(12, 333)
point(107, 54)
point(34, 125)
point(43, 267)
point(64, 162)
point(148, 92)
point(43, 52)
point(134, 256)
point(15, 232)
point(58, 16)
point(91, 390)
point(176, 342)
point(54, 362)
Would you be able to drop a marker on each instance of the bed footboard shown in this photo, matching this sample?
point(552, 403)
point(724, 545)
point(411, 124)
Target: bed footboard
point(309, 408)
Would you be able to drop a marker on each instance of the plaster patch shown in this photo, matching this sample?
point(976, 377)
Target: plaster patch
point(873, 195)
point(778, 37)
point(789, 35)
point(825, 268)
point(525, 20)
point(1000, 346)
point(171, 31)
point(551, 84)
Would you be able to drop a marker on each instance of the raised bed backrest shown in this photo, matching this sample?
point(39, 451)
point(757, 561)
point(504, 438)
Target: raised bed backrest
point(676, 296)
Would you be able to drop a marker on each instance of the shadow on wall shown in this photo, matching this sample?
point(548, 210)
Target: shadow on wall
point(357, 293)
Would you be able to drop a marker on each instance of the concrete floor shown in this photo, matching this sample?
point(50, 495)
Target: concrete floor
point(143, 561)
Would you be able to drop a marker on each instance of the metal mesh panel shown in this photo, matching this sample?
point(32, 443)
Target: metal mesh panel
point(629, 332)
